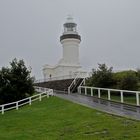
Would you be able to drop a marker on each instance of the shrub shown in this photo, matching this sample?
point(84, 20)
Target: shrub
point(126, 80)
point(138, 74)
point(101, 77)
point(15, 82)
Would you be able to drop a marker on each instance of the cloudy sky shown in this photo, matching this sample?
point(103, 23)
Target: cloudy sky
point(110, 30)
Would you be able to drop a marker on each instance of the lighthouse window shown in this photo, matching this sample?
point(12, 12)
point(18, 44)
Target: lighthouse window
point(70, 29)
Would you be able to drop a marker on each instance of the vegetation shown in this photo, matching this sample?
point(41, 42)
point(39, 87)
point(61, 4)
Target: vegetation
point(55, 118)
point(15, 82)
point(101, 77)
point(105, 77)
point(126, 80)
point(138, 74)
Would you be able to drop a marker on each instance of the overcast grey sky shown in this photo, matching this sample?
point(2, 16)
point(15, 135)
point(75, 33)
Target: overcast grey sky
point(110, 31)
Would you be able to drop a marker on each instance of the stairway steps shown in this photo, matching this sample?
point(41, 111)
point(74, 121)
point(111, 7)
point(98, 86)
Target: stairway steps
point(56, 85)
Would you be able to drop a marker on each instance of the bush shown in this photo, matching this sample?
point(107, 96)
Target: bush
point(15, 82)
point(126, 80)
point(138, 74)
point(104, 77)
point(101, 77)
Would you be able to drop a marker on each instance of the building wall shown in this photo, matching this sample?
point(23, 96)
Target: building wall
point(60, 71)
point(71, 51)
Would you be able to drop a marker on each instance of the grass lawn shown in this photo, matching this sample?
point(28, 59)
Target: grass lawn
point(57, 119)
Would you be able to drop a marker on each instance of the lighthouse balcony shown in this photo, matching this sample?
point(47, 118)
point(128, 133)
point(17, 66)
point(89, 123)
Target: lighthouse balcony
point(70, 36)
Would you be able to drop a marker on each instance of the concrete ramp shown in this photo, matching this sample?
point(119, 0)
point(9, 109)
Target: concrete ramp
point(111, 107)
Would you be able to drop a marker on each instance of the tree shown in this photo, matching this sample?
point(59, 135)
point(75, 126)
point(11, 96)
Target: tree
point(126, 80)
point(15, 82)
point(101, 77)
point(138, 74)
point(104, 77)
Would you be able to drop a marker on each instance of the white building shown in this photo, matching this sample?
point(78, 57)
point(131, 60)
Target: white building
point(69, 65)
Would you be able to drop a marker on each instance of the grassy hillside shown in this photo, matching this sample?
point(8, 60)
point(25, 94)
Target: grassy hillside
point(57, 119)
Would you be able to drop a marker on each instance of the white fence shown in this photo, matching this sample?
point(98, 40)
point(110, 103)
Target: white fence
point(43, 92)
point(55, 78)
point(90, 91)
point(71, 76)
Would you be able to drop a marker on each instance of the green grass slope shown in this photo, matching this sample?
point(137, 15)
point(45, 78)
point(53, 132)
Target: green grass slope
point(57, 119)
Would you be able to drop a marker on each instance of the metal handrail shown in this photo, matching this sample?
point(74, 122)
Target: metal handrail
point(73, 82)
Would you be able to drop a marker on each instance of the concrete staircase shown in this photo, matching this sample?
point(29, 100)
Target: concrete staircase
point(61, 85)
point(56, 84)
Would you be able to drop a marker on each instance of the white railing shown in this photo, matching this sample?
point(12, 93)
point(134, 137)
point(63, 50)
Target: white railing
point(122, 92)
point(82, 74)
point(71, 76)
point(42, 89)
point(82, 83)
point(55, 78)
point(78, 75)
point(43, 92)
point(73, 83)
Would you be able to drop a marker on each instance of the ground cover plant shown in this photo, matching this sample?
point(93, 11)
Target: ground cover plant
point(58, 119)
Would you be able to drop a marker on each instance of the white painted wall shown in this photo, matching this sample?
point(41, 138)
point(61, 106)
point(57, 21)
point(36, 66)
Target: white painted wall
point(70, 51)
point(60, 71)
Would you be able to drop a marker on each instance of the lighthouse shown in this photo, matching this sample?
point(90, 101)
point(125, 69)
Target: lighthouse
point(69, 65)
point(70, 41)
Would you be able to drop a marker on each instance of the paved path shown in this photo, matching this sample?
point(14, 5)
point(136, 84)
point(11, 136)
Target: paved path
point(103, 105)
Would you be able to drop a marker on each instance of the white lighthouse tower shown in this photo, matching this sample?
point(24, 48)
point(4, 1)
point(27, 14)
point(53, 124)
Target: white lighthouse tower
point(69, 65)
point(70, 41)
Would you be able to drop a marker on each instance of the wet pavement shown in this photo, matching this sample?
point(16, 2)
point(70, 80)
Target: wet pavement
point(111, 107)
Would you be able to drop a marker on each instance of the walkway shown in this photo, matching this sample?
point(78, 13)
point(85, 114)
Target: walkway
point(103, 105)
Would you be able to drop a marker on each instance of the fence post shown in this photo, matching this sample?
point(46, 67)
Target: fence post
point(48, 94)
point(2, 109)
point(137, 98)
point(16, 105)
point(84, 81)
point(40, 97)
point(30, 101)
point(80, 90)
point(68, 90)
point(91, 91)
point(109, 95)
point(122, 97)
point(99, 93)
point(85, 91)
point(52, 92)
